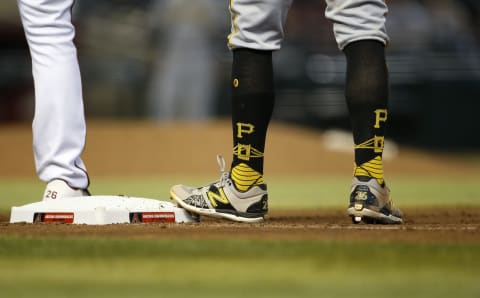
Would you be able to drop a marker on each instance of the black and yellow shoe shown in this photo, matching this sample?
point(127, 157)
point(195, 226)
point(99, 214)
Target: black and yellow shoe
point(370, 202)
point(222, 199)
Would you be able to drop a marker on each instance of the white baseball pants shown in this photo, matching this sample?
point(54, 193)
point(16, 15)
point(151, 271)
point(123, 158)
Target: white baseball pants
point(59, 124)
point(259, 24)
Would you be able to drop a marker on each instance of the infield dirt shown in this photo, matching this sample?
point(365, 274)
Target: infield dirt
point(146, 148)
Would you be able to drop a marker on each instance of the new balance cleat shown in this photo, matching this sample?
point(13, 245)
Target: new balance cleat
point(58, 189)
point(370, 202)
point(222, 199)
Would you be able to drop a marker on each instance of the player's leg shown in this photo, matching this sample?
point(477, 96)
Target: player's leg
point(59, 124)
point(359, 27)
point(257, 30)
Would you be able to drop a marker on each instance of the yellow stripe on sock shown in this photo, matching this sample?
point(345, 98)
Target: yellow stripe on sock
point(245, 177)
point(376, 144)
point(372, 168)
point(246, 152)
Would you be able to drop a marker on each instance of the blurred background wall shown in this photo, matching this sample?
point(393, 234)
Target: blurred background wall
point(168, 60)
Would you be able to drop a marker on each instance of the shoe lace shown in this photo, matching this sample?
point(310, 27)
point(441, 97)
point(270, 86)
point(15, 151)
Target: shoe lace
point(225, 176)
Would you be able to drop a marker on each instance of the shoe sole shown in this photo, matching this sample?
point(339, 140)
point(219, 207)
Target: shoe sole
point(214, 213)
point(372, 217)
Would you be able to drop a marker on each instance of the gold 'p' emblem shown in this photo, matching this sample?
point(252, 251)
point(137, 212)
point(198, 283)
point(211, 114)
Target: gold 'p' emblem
point(244, 128)
point(236, 83)
point(380, 116)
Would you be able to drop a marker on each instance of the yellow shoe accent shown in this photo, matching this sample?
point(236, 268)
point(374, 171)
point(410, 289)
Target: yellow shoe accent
point(372, 168)
point(245, 177)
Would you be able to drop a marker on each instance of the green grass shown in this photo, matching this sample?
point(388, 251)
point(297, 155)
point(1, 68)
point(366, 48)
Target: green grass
point(296, 192)
point(96, 267)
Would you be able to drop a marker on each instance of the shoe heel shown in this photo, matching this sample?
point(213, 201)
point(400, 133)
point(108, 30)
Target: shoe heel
point(358, 206)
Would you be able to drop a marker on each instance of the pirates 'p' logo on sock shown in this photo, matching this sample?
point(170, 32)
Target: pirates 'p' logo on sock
point(381, 115)
point(244, 128)
point(245, 151)
point(373, 147)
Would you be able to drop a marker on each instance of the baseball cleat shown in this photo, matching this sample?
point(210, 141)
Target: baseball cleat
point(59, 189)
point(221, 199)
point(370, 202)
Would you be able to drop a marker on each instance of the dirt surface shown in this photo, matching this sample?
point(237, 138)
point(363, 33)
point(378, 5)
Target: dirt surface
point(425, 226)
point(145, 148)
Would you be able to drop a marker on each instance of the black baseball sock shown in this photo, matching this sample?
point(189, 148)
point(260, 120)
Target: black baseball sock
point(367, 99)
point(252, 107)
